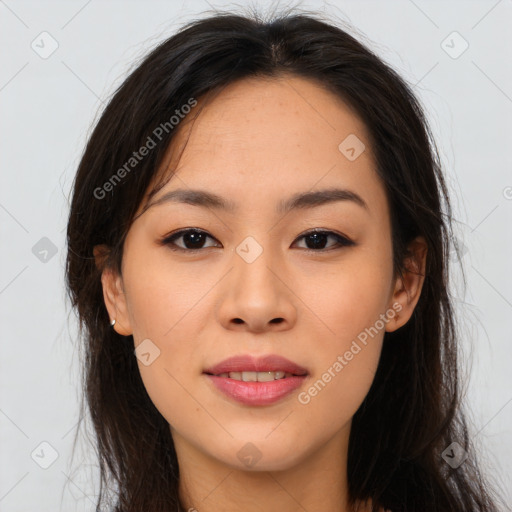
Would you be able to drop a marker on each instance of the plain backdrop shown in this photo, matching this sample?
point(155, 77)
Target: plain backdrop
point(59, 63)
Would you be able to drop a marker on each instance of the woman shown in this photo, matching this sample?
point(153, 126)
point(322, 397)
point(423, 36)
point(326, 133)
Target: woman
point(258, 253)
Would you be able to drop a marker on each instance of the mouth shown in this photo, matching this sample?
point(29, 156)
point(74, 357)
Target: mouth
point(256, 381)
point(248, 376)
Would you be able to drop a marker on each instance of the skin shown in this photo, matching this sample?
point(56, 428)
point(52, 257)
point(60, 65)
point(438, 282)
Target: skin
point(258, 142)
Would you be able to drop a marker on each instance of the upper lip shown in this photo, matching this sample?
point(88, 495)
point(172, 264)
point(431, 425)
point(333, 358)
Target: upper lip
point(248, 363)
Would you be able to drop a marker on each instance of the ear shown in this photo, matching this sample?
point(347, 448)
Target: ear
point(113, 292)
point(407, 291)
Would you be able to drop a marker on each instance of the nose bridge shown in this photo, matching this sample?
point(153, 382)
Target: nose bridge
point(253, 261)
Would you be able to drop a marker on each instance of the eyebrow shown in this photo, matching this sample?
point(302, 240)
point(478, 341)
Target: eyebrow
point(297, 201)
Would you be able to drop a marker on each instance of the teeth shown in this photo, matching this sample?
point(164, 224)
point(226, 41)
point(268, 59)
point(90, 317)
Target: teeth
point(256, 376)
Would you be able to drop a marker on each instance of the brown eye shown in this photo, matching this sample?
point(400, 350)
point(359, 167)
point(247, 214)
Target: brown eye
point(317, 240)
point(193, 239)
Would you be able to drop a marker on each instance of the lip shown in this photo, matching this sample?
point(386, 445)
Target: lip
point(248, 363)
point(256, 393)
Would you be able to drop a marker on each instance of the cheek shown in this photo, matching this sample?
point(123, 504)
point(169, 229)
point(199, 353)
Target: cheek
point(163, 295)
point(347, 352)
point(348, 301)
point(345, 370)
point(164, 304)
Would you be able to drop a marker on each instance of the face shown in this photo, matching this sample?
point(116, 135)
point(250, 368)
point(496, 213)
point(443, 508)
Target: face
point(254, 280)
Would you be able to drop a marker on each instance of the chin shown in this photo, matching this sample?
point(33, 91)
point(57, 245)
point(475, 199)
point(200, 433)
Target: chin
point(261, 456)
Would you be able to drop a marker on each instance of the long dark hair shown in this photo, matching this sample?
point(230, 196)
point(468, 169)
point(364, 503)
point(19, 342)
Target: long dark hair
point(413, 411)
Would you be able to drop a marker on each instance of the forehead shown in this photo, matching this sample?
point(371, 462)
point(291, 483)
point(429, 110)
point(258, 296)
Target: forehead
point(271, 138)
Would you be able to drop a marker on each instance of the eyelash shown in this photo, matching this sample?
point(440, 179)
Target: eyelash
point(342, 241)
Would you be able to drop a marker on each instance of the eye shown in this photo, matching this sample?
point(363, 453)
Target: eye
point(194, 238)
point(317, 239)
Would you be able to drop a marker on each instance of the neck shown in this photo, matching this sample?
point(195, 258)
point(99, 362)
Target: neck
point(316, 482)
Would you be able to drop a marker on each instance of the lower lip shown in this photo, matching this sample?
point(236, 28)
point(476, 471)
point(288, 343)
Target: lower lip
point(256, 393)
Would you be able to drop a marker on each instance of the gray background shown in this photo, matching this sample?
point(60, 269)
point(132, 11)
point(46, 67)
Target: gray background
point(48, 106)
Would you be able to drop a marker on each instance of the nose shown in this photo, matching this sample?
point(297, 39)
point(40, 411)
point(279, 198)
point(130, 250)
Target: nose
point(256, 296)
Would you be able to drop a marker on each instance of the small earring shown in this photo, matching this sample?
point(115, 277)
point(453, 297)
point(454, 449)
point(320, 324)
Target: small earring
point(113, 323)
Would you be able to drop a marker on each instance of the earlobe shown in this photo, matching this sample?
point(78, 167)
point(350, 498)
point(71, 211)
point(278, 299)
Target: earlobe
point(408, 288)
point(113, 294)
